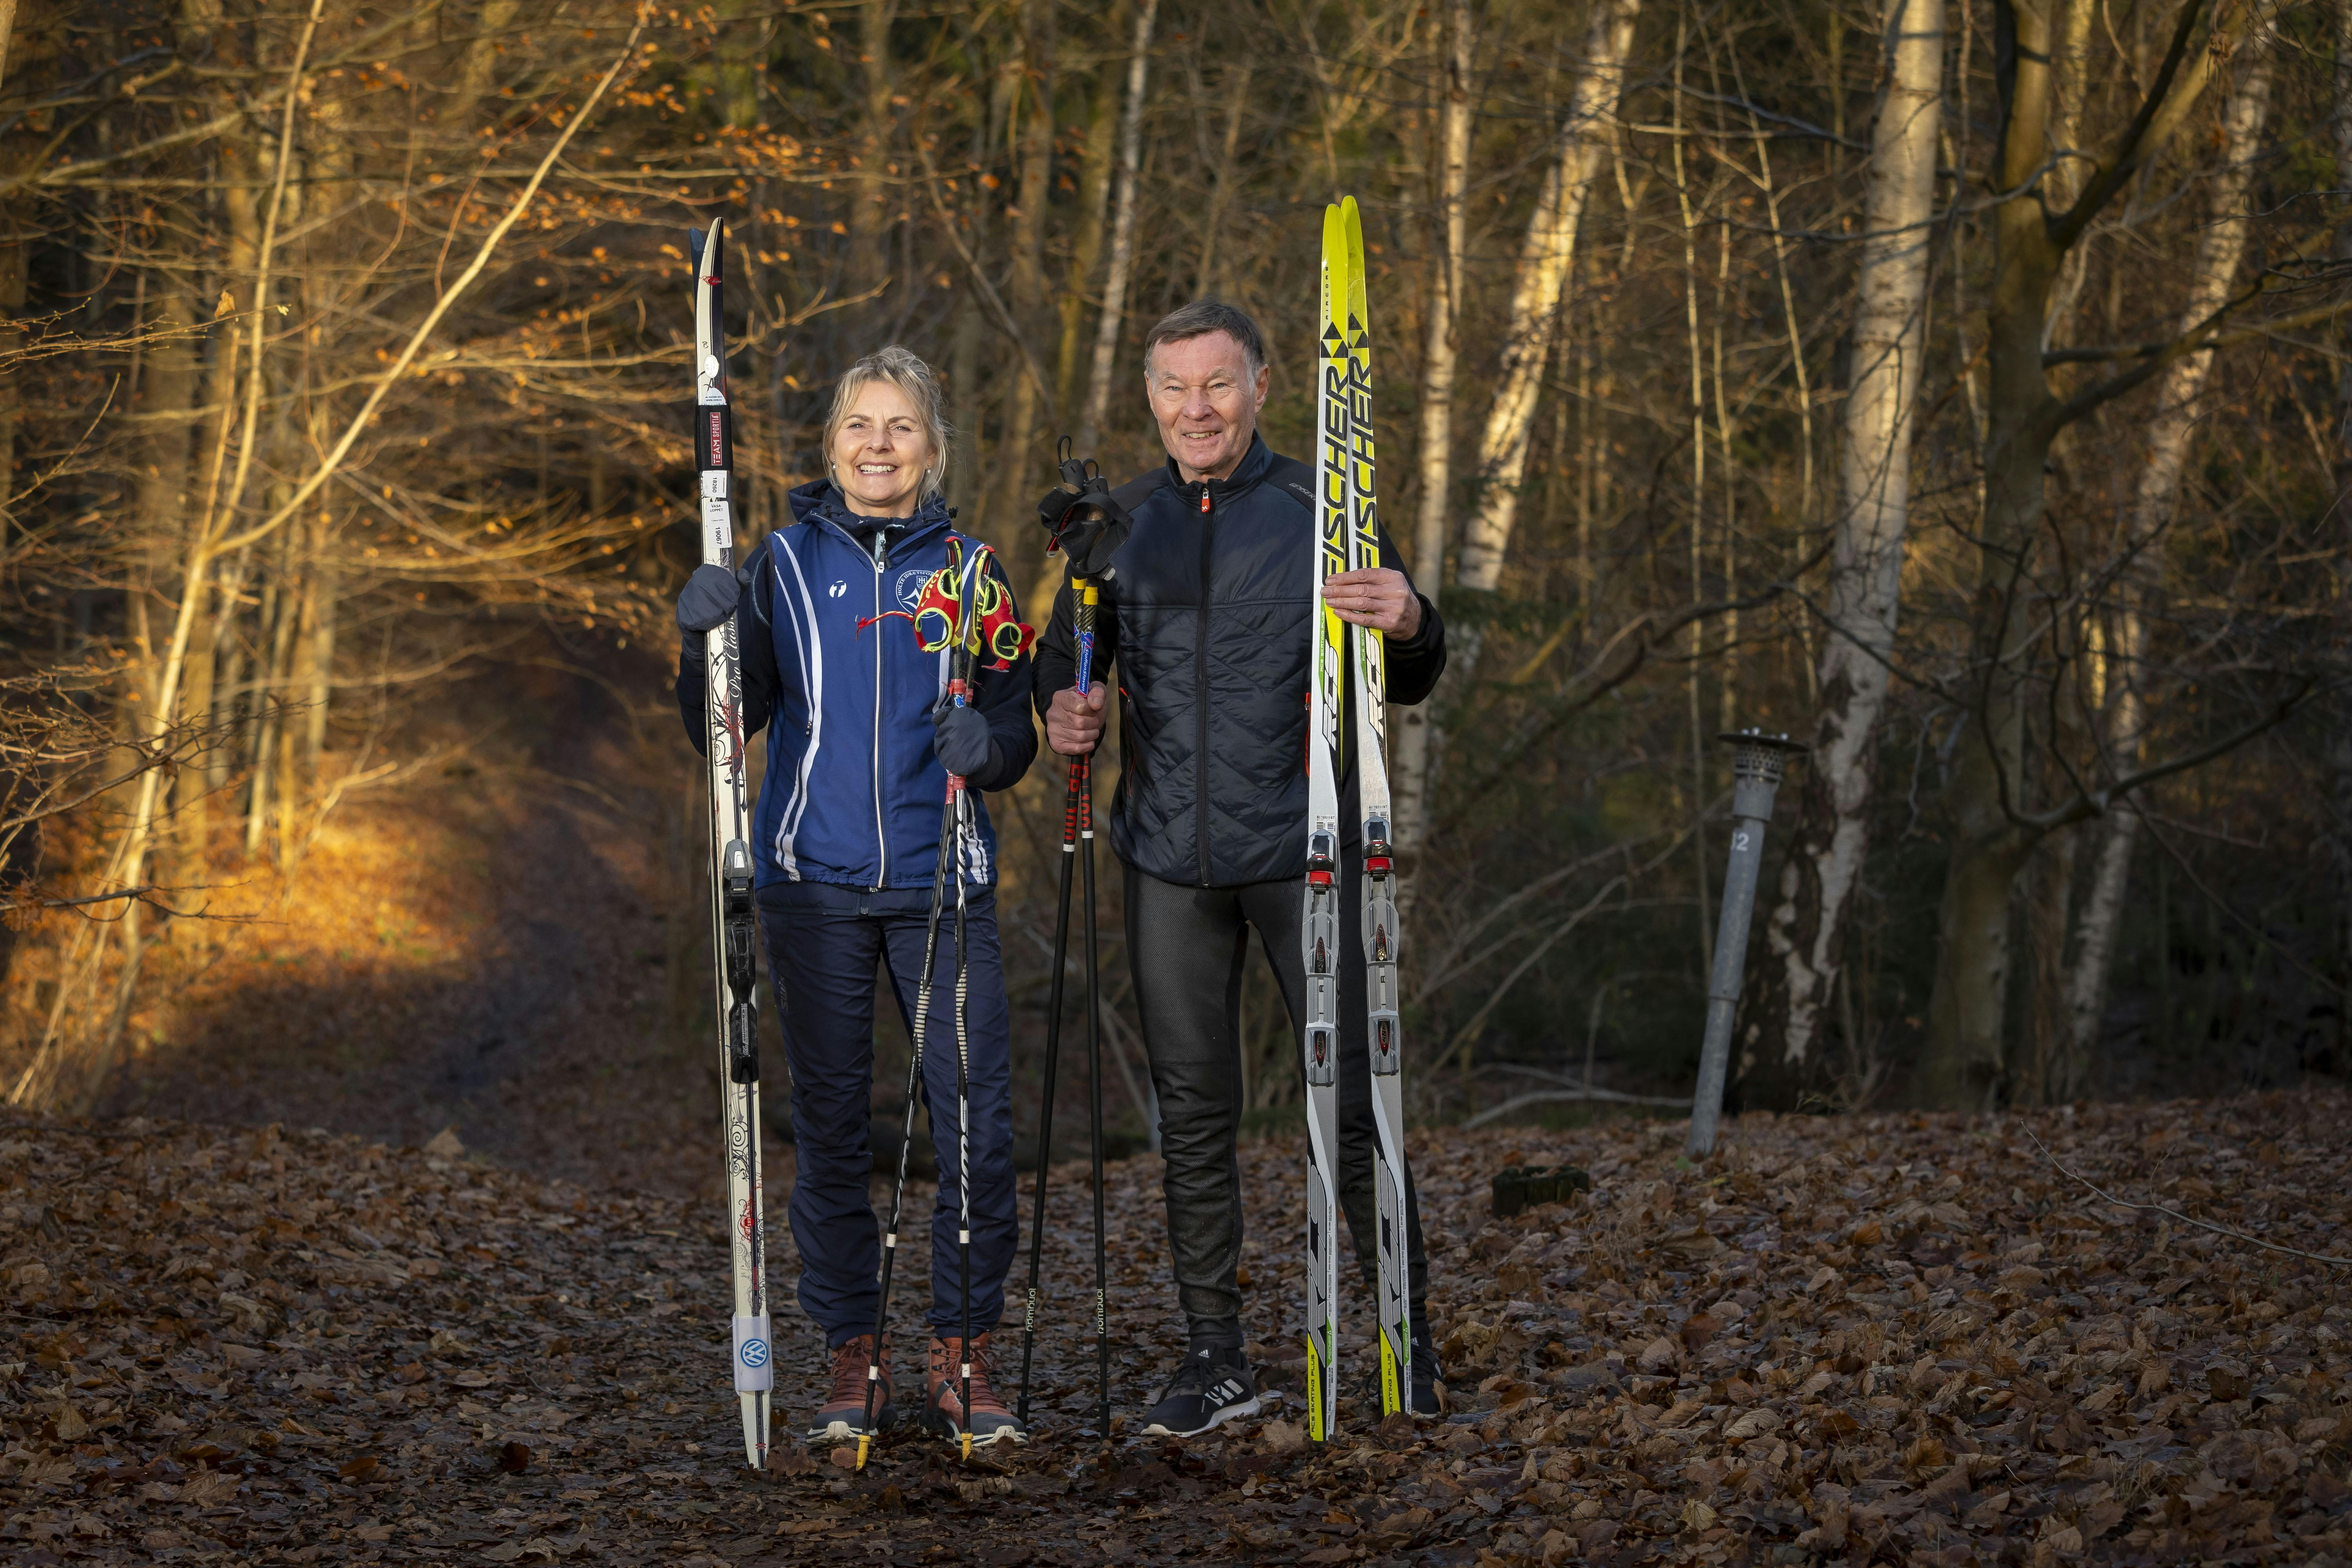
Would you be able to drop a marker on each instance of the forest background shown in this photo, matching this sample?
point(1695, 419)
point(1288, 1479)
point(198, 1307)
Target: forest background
point(1957, 388)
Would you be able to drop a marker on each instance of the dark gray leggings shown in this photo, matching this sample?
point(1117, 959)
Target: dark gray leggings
point(1187, 946)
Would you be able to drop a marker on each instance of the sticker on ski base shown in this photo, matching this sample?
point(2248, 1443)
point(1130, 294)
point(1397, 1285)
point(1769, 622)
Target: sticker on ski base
point(718, 523)
point(1315, 1430)
point(755, 1371)
point(1392, 1377)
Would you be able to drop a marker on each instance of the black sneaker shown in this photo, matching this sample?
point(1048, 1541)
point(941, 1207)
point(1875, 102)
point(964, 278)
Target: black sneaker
point(1426, 1373)
point(1212, 1386)
point(1422, 1400)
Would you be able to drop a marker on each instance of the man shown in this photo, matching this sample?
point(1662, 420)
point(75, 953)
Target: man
point(1205, 612)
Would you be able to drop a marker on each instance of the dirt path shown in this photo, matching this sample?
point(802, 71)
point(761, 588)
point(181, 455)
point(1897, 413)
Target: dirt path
point(491, 948)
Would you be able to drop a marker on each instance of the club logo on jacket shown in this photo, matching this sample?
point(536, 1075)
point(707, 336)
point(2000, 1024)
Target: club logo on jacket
point(908, 589)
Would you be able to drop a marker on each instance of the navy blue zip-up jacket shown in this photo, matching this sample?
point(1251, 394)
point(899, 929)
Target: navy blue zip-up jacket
point(852, 793)
point(1206, 617)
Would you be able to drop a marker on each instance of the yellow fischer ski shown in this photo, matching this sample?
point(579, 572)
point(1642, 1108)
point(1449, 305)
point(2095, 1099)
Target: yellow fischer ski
point(1370, 700)
point(1319, 929)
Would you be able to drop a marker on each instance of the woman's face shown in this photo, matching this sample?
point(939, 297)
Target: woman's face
point(880, 453)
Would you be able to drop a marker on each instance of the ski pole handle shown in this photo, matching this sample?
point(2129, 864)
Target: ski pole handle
point(1083, 623)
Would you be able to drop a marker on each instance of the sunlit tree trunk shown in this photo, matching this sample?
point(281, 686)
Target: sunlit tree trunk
point(2221, 250)
point(1805, 934)
point(1545, 257)
point(1437, 367)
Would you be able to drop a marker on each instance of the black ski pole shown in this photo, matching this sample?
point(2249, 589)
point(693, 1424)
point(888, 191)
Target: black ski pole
point(1084, 623)
point(907, 1135)
point(914, 1082)
point(1053, 1064)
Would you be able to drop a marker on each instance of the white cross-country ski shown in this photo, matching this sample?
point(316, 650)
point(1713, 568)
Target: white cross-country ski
point(1320, 928)
point(1369, 699)
point(734, 927)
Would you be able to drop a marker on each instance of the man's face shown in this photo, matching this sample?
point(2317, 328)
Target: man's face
point(1206, 402)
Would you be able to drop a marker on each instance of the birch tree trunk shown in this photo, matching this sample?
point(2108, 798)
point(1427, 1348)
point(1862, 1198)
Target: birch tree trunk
point(2043, 1072)
point(2221, 250)
point(1437, 366)
point(1122, 234)
point(1805, 934)
point(1544, 258)
point(1087, 241)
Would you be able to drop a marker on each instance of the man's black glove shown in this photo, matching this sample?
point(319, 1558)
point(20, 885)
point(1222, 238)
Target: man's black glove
point(709, 597)
point(1086, 523)
point(959, 738)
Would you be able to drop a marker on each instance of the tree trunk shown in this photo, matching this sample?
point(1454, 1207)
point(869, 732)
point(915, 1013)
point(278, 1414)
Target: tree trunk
point(2340, 749)
point(1437, 364)
point(1964, 1065)
point(1018, 479)
point(869, 206)
point(1087, 239)
point(477, 75)
point(1783, 1056)
point(1544, 258)
point(1122, 234)
point(1235, 91)
point(2221, 250)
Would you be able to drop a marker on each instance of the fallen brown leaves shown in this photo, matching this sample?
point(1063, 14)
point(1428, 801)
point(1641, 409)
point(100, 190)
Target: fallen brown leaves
point(1893, 1338)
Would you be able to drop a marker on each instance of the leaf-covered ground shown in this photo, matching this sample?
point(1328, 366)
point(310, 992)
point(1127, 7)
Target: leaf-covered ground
point(1901, 1339)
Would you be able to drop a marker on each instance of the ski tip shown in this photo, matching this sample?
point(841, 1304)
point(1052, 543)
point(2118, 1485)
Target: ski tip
point(694, 246)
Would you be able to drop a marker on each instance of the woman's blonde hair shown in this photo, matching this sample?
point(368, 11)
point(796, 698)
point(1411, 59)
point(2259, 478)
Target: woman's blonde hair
point(904, 370)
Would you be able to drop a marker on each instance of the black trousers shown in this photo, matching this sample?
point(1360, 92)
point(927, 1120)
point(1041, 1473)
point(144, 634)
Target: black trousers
point(1187, 946)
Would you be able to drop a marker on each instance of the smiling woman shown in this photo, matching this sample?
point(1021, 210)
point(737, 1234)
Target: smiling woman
point(862, 741)
point(885, 440)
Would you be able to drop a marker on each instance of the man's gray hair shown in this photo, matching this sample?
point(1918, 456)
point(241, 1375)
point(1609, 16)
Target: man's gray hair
point(902, 369)
point(1200, 317)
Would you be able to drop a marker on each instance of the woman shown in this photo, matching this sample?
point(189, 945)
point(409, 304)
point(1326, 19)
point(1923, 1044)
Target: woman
point(860, 743)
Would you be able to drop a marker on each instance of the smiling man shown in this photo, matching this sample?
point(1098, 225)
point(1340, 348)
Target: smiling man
point(1205, 617)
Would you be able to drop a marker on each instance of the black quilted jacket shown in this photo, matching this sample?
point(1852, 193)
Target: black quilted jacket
point(1205, 623)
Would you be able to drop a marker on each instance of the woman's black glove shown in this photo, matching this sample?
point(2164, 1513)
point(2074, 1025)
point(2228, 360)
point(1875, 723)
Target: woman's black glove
point(708, 598)
point(959, 738)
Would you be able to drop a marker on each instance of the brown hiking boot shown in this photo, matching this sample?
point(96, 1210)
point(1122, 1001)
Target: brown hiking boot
point(992, 1420)
point(842, 1417)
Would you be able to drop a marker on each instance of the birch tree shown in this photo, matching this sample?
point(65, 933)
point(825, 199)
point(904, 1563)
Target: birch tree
point(1437, 366)
point(1122, 232)
point(1805, 935)
point(1546, 255)
point(2221, 250)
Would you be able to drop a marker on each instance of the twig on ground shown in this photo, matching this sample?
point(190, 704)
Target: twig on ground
point(2176, 1213)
